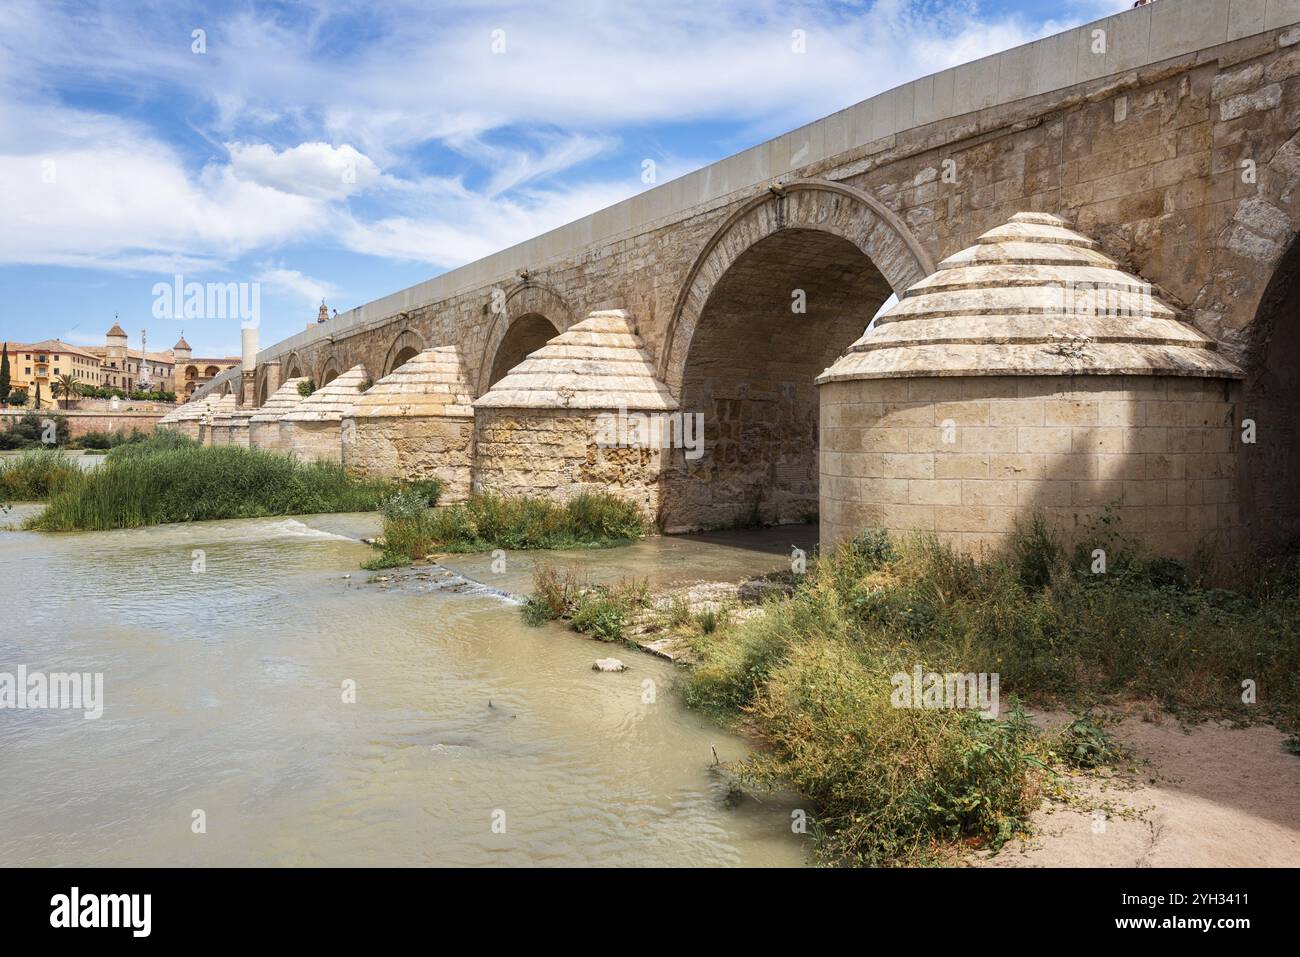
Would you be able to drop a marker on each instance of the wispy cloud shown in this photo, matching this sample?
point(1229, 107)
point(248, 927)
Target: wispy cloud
point(390, 130)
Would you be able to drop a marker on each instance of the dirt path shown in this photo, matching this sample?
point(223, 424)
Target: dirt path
point(1220, 797)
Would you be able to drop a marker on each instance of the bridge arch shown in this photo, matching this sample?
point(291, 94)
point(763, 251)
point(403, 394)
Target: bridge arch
point(531, 315)
point(784, 286)
point(294, 367)
point(811, 204)
point(405, 347)
point(1269, 467)
point(330, 368)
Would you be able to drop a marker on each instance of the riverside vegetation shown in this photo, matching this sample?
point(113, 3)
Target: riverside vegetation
point(171, 478)
point(810, 676)
point(413, 527)
point(31, 476)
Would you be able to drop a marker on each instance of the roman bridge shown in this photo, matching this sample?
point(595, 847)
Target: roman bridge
point(1167, 133)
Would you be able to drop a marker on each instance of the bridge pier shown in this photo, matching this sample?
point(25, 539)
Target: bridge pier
point(264, 425)
point(312, 429)
point(1031, 375)
point(416, 423)
point(557, 424)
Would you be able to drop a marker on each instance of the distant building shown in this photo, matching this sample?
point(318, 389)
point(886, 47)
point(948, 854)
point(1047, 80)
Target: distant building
point(114, 365)
point(43, 362)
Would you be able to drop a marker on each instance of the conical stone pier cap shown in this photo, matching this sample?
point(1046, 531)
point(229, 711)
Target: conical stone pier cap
point(1030, 297)
point(598, 363)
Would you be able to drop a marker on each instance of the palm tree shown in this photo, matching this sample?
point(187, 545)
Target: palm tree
point(69, 386)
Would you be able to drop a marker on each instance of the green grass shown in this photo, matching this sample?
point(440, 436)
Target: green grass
point(486, 522)
point(408, 525)
point(601, 611)
point(172, 479)
point(811, 678)
point(33, 475)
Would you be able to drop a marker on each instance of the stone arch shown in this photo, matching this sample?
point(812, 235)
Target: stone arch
point(294, 367)
point(783, 288)
point(517, 329)
point(1257, 257)
point(1269, 467)
point(812, 204)
point(262, 391)
point(406, 346)
point(329, 371)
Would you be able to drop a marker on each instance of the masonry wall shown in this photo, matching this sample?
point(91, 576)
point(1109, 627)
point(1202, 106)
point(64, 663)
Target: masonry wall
point(80, 422)
point(190, 428)
point(265, 435)
point(236, 435)
point(412, 447)
point(966, 457)
point(553, 454)
point(313, 441)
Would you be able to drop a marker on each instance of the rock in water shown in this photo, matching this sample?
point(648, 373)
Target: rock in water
point(608, 664)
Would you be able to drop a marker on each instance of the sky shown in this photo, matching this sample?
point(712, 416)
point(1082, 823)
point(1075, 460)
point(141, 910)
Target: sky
point(346, 149)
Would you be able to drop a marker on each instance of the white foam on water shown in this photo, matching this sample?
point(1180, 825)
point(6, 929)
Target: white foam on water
point(292, 528)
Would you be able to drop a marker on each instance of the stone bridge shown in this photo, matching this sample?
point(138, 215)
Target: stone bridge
point(1167, 134)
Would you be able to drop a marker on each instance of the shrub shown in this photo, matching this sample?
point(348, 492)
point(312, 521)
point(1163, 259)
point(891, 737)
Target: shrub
point(599, 615)
point(1085, 744)
point(102, 441)
point(408, 527)
point(31, 431)
point(555, 594)
point(162, 440)
point(810, 676)
point(306, 387)
point(1037, 552)
point(890, 782)
point(601, 611)
point(485, 522)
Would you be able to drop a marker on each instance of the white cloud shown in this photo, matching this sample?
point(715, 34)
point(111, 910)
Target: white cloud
point(316, 170)
point(393, 133)
point(138, 208)
point(471, 226)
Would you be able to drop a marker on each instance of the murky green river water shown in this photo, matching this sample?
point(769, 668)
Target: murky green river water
point(224, 693)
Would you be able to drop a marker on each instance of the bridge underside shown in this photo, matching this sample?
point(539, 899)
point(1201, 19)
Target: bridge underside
point(781, 314)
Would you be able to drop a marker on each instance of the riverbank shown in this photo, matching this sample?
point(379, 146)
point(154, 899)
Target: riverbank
point(1205, 795)
point(809, 664)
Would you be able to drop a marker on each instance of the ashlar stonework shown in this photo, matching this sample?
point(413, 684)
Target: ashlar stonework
point(311, 430)
point(416, 423)
point(550, 428)
point(1031, 375)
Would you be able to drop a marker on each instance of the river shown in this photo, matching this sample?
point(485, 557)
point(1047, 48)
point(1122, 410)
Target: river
point(227, 649)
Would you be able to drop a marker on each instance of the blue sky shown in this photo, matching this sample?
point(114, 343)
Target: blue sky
point(348, 149)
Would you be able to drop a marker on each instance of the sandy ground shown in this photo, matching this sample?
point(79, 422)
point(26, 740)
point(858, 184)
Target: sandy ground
point(1206, 796)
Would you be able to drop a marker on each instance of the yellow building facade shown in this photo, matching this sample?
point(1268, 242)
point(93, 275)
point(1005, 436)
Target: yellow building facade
point(114, 365)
